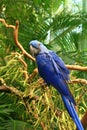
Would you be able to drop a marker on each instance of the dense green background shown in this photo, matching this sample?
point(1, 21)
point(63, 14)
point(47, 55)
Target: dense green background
point(62, 26)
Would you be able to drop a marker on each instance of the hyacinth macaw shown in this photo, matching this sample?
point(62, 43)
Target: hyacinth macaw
point(54, 72)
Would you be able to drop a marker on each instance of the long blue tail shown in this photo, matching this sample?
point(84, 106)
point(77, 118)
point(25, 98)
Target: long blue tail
point(71, 110)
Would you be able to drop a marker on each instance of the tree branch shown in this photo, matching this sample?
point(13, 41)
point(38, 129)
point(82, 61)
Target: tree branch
point(76, 67)
point(18, 44)
point(5, 88)
point(83, 81)
point(8, 26)
point(84, 120)
point(15, 28)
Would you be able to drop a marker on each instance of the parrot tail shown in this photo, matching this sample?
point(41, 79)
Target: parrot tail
point(72, 112)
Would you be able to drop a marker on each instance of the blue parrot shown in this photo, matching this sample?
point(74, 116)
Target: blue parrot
point(54, 72)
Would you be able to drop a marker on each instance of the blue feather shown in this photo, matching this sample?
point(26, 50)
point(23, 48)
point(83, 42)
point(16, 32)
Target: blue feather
point(61, 65)
point(53, 70)
point(50, 71)
point(71, 110)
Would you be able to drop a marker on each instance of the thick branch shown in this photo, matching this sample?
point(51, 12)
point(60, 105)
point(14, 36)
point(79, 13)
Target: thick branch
point(18, 44)
point(34, 73)
point(8, 26)
point(5, 88)
point(76, 67)
point(16, 37)
point(83, 81)
point(84, 121)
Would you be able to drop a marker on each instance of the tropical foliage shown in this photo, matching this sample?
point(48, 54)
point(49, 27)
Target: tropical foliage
point(25, 102)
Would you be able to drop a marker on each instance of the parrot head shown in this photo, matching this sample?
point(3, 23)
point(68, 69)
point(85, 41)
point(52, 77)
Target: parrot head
point(36, 47)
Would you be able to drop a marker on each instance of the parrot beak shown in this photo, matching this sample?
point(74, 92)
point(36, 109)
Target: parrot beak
point(32, 50)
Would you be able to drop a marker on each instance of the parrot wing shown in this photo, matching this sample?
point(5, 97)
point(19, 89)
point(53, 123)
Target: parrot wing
point(60, 64)
point(54, 72)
